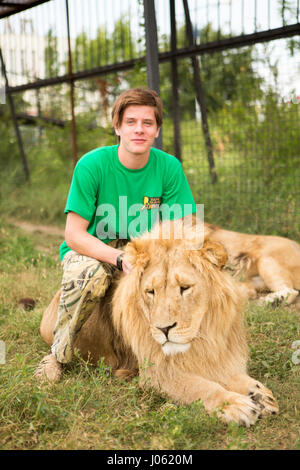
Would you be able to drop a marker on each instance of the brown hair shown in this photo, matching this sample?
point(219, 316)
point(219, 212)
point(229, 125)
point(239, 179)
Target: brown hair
point(139, 97)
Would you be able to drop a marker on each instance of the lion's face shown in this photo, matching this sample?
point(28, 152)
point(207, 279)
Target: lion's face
point(175, 293)
point(175, 300)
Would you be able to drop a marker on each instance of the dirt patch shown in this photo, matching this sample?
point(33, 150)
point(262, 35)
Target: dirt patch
point(29, 227)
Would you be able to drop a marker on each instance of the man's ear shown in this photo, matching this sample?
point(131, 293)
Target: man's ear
point(157, 133)
point(117, 132)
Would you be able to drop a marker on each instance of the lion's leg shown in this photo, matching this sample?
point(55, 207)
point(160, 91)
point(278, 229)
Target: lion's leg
point(249, 289)
point(277, 280)
point(253, 285)
point(229, 405)
point(257, 283)
point(246, 385)
point(49, 319)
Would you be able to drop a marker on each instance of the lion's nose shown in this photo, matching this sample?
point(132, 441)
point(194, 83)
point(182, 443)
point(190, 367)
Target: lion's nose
point(166, 329)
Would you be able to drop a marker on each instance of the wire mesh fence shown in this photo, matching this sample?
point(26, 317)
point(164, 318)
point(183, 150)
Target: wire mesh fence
point(248, 58)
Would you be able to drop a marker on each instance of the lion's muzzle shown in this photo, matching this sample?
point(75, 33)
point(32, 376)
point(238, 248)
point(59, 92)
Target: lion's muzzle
point(169, 340)
point(166, 329)
point(170, 348)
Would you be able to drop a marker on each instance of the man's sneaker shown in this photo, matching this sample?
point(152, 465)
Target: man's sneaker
point(49, 370)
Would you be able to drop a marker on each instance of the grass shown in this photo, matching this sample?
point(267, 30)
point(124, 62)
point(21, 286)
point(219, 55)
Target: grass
point(90, 410)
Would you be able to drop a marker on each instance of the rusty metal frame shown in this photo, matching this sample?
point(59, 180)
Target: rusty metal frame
point(200, 96)
point(14, 118)
point(196, 49)
point(152, 56)
point(175, 85)
point(15, 7)
point(70, 70)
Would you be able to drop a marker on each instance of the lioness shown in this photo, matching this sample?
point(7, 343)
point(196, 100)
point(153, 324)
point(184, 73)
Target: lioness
point(179, 318)
point(267, 262)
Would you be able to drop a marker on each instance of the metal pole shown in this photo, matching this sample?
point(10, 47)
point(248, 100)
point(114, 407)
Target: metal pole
point(70, 71)
point(175, 85)
point(152, 53)
point(200, 96)
point(39, 112)
point(14, 117)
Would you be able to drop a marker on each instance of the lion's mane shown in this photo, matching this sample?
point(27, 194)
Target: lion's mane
point(219, 350)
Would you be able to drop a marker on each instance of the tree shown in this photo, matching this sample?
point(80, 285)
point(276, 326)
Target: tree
point(227, 76)
point(51, 55)
point(105, 48)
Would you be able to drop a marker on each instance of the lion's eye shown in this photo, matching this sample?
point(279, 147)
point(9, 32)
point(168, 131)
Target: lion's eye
point(184, 288)
point(150, 291)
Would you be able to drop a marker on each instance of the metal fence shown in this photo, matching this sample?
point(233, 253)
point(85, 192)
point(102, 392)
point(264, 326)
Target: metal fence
point(227, 71)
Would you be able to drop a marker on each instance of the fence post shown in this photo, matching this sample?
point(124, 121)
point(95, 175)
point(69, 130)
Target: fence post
point(70, 72)
point(175, 85)
point(152, 54)
point(14, 117)
point(200, 96)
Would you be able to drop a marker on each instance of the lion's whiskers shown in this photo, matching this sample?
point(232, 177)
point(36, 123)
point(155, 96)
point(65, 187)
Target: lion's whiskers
point(202, 336)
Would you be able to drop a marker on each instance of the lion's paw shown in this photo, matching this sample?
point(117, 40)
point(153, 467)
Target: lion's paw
point(240, 409)
point(264, 398)
point(284, 295)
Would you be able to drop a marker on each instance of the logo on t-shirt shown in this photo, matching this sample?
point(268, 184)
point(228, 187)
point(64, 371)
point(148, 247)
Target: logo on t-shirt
point(151, 202)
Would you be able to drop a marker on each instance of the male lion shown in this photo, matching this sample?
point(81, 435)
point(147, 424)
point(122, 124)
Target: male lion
point(179, 318)
point(267, 262)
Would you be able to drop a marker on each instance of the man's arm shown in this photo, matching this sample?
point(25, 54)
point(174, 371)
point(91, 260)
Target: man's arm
point(78, 239)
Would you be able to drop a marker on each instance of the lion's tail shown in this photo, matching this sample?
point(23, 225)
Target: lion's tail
point(125, 374)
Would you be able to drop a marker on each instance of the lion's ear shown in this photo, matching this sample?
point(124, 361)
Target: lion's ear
point(215, 253)
point(137, 254)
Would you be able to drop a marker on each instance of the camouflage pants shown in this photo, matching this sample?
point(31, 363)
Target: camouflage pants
point(84, 281)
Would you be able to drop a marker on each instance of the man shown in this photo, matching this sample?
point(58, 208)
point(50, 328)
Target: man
point(116, 194)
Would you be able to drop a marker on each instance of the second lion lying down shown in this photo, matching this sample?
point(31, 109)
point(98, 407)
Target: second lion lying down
point(267, 262)
point(179, 318)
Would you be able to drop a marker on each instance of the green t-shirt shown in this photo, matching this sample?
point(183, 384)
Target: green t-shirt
point(122, 203)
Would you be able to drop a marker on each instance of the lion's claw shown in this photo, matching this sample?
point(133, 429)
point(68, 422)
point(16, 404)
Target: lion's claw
point(263, 397)
point(241, 409)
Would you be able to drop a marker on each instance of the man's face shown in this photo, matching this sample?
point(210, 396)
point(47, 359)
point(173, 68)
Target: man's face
point(138, 129)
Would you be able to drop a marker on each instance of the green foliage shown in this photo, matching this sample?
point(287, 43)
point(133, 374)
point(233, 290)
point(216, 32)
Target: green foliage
point(105, 48)
point(227, 77)
point(51, 55)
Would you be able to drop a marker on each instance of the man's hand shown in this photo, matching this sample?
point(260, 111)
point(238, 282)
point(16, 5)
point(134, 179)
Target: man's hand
point(78, 239)
point(126, 266)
